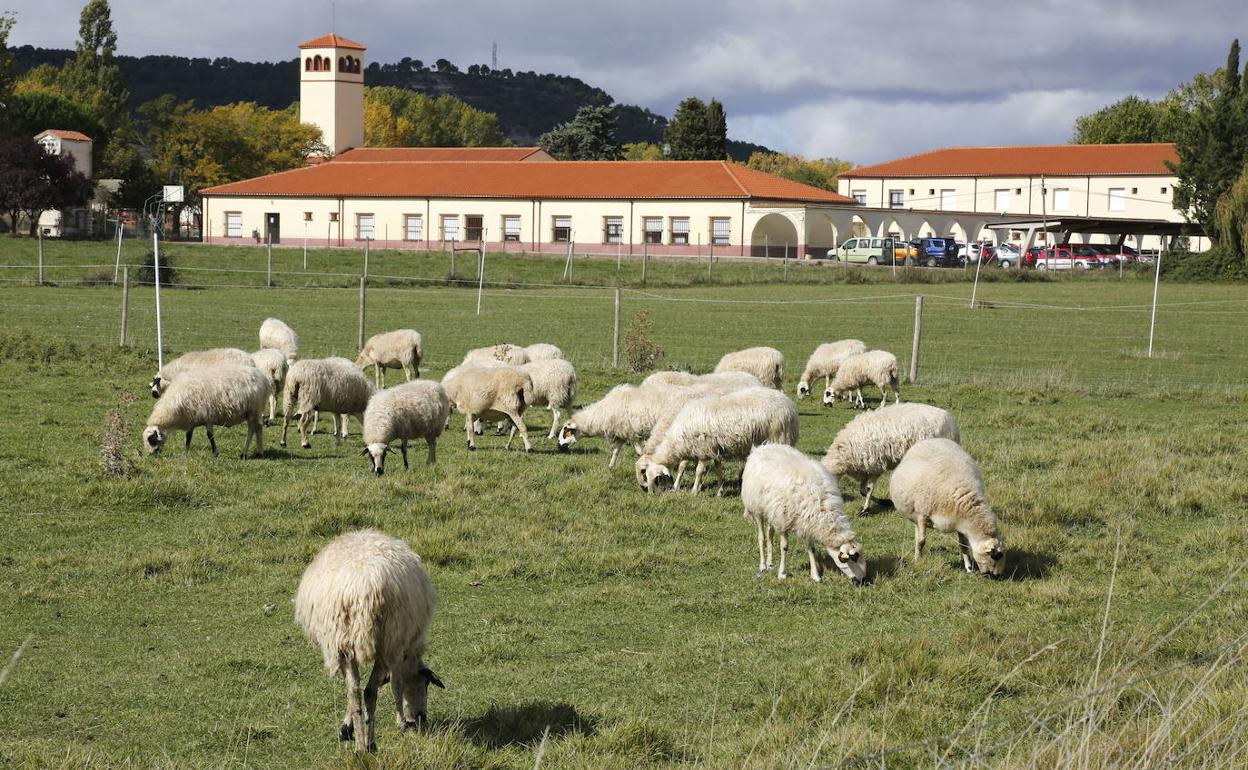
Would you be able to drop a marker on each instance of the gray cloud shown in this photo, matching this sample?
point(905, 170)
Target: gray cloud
point(866, 81)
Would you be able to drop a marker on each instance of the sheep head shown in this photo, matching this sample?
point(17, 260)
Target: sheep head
point(989, 555)
point(850, 560)
point(157, 386)
point(829, 397)
point(416, 687)
point(803, 389)
point(376, 453)
point(153, 439)
point(639, 471)
point(567, 436)
point(656, 472)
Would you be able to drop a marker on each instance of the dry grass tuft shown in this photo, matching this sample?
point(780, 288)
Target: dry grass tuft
point(113, 461)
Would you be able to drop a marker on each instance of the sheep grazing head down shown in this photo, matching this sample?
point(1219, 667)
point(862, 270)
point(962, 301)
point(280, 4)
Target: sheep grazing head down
point(376, 454)
point(639, 471)
point(803, 389)
point(420, 695)
point(989, 557)
point(156, 386)
point(829, 397)
point(656, 473)
point(850, 559)
point(153, 439)
point(567, 436)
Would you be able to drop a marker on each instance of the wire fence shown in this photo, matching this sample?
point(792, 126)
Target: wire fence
point(1091, 337)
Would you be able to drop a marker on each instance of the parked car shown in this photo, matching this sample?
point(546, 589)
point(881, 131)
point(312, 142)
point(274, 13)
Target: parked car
point(1006, 255)
point(873, 251)
point(937, 252)
point(1065, 256)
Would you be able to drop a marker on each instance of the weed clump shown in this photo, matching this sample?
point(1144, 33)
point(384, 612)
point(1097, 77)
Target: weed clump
point(113, 461)
point(640, 350)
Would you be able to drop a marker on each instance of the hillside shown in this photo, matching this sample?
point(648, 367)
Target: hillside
point(527, 103)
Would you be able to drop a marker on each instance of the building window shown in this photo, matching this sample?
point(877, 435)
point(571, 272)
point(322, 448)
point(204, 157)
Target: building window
point(413, 227)
point(450, 227)
point(721, 231)
point(333, 216)
point(233, 224)
point(307, 64)
point(474, 228)
point(1163, 191)
point(1061, 199)
point(912, 192)
point(562, 230)
point(307, 216)
point(946, 200)
point(364, 228)
point(511, 228)
point(654, 229)
point(1001, 200)
point(1117, 199)
point(860, 197)
point(613, 229)
point(680, 231)
point(896, 199)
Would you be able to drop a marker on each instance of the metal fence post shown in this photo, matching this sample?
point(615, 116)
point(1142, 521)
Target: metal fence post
point(918, 333)
point(480, 279)
point(125, 304)
point(615, 333)
point(269, 262)
point(40, 229)
point(363, 286)
point(645, 262)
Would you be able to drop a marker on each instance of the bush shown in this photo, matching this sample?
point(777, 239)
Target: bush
point(1216, 264)
point(146, 275)
point(640, 351)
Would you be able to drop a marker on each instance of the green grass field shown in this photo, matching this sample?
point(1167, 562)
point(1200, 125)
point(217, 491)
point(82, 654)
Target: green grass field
point(583, 623)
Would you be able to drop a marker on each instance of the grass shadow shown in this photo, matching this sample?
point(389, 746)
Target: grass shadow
point(516, 725)
point(1023, 565)
point(882, 567)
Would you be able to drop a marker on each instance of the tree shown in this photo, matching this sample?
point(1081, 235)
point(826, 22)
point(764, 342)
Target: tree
point(398, 117)
point(1212, 148)
point(33, 181)
point(1231, 215)
point(1129, 120)
point(93, 79)
point(588, 136)
point(642, 151)
point(7, 76)
point(817, 173)
point(697, 131)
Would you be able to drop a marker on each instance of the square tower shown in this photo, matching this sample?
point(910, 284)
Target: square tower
point(331, 90)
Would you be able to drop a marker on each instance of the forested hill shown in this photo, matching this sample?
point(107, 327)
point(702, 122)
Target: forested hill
point(527, 104)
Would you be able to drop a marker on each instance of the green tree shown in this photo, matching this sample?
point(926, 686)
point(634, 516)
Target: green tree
point(93, 79)
point(697, 131)
point(588, 136)
point(642, 151)
point(7, 76)
point(1129, 120)
point(1231, 216)
point(399, 117)
point(1212, 148)
point(816, 173)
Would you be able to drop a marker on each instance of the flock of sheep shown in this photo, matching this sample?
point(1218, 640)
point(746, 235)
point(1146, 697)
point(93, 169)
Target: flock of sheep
point(366, 596)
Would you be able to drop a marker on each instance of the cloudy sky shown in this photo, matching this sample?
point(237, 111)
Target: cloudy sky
point(864, 81)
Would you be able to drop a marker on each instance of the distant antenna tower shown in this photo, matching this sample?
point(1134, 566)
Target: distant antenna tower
point(494, 58)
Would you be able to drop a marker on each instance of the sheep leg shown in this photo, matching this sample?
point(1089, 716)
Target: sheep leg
point(554, 421)
point(518, 424)
point(719, 471)
point(511, 434)
point(333, 419)
point(407, 372)
point(285, 424)
point(433, 450)
point(403, 449)
point(814, 564)
point(883, 397)
point(188, 440)
point(370, 703)
point(305, 419)
point(468, 420)
point(771, 533)
point(396, 687)
point(762, 535)
point(784, 552)
point(697, 477)
point(212, 440)
point(964, 546)
point(353, 723)
point(316, 421)
point(272, 408)
point(615, 452)
point(253, 428)
point(680, 472)
point(865, 488)
point(920, 537)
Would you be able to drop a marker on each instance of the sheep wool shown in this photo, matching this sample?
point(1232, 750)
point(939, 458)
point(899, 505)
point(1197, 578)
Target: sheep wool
point(512, 355)
point(767, 364)
point(874, 442)
point(492, 393)
point(875, 367)
point(197, 359)
point(273, 363)
point(277, 335)
point(784, 490)
point(938, 484)
point(554, 386)
point(399, 349)
point(825, 361)
point(625, 415)
point(724, 427)
point(366, 597)
point(413, 410)
point(542, 351)
point(334, 385)
point(221, 396)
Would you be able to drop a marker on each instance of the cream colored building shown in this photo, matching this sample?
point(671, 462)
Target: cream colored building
point(331, 90)
point(77, 145)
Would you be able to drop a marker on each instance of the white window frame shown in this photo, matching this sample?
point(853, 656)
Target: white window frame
point(859, 196)
point(1116, 199)
point(721, 236)
point(411, 233)
point(558, 223)
point(680, 231)
point(612, 230)
point(948, 200)
point(652, 228)
point(453, 219)
point(511, 227)
point(1061, 199)
point(360, 234)
point(233, 224)
point(1002, 199)
point(900, 199)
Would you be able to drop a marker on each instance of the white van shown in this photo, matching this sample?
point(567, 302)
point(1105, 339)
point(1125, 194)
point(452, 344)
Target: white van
point(870, 251)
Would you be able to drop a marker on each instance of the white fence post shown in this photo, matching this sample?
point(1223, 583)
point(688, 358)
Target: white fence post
point(918, 334)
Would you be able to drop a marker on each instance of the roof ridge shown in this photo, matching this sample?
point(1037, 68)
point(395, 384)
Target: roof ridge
point(736, 180)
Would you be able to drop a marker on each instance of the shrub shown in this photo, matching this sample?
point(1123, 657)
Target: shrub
point(640, 351)
point(1216, 264)
point(146, 275)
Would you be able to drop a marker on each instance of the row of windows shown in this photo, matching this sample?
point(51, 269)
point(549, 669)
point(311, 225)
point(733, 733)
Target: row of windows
point(1002, 200)
point(322, 64)
point(677, 228)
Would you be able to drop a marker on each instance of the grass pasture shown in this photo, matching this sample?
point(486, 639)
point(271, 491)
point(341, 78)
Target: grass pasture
point(585, 624)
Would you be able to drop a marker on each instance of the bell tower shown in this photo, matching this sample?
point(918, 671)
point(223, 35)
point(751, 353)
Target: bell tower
point(331, 90)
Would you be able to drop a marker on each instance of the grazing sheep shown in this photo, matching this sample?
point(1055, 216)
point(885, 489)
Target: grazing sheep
point(723, 427)
point(334, 385)
point(399, 349)
point(938, 484)
point(783, 489)
point(670, 377)
point(490, 393)
point(824, 362)
point(626, 415)
point(366, 597)
point(197, 359)
point(878, 367)
point(273, 363)
point(554, 386)
point(685, 379)
point(542, 351)
point(767, 364)
point(223, 395)
point(873, 443)
point(277, 335)
point(511, 355)
point(412, 410)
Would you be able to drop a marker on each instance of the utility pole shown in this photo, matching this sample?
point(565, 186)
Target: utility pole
point(1044, 211)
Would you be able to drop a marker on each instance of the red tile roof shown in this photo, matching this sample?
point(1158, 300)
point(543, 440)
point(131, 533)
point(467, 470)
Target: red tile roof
point(589, 180)
point(428, 154)
point(77, 136)
point(1050, 160)
point(332, 41)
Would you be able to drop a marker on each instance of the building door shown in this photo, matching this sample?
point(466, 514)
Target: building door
point(273, 227)
point(473, 228)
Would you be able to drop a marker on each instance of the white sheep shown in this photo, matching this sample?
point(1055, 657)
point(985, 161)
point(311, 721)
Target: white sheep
point(541, 351)
point(723, 427)
point(685, 379)
point(413, 410)
point(277, 335)
point(825, 361)
point(874, 442)
point(511, 355)
point(554, 386)
point(784, 490)
point(197, 359)
point(220, 396)
point(938, 484)
point(399, 349)
point(334, 385)
point(767, 364)
point(366, 597)
point(490, 393)
point(272, 362)
point(625, 415)
point(875, 367)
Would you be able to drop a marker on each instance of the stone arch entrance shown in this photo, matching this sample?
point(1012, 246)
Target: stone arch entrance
point(771, 234)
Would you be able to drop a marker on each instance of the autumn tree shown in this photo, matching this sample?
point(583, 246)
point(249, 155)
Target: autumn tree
point(642, 151)
point(820, 173)
point(33, 181)
point(398, 117)
point(588, 136)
